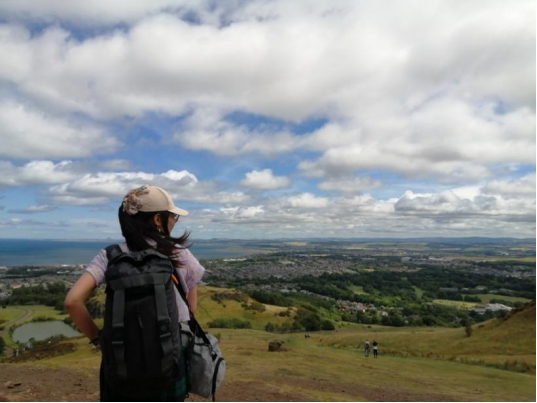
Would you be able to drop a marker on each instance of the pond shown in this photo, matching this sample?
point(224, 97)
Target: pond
point(42, 331)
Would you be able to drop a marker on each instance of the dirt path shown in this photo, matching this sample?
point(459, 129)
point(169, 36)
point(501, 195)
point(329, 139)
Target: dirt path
point(30, 382)
point(27, 313)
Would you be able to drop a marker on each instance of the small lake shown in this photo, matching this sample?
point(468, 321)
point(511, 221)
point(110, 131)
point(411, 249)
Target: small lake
point(42, 331)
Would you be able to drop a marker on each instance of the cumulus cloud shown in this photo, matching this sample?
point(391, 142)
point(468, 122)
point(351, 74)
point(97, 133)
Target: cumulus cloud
point(103, 13)
point(524, 186)
point(105, 187)
point(442, 92)
point(308, 200)
point(28, 133)
point(352, 185)
point(36, 172)
point(301, 60)
point(102, 187)
point(264, 180)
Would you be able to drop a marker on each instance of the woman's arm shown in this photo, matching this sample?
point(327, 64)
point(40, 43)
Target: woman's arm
point(75, 305)
point(193, 299)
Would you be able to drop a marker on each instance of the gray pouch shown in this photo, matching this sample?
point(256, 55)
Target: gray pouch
point(205, 365)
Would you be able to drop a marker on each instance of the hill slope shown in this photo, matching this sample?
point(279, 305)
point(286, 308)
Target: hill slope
point(413, 364)
point(507, 343)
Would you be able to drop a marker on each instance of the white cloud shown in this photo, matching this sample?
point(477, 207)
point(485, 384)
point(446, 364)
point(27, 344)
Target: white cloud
point(44, 208)
point(103, 12)
point(36, 172)
point(28, 133)
point(307, 200)
point(242, 213)
point(350, 59)
point(351, 185)
point(180, 178)
point(439, 91)
point(511, 188)
point(445, 202)
point(264, 180)
point(105, 187)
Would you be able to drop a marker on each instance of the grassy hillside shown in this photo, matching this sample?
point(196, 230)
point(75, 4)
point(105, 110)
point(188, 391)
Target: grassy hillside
point(504, 343)
point(415, 364)
point(310, 370)
point(486, 298)
point(209, 309)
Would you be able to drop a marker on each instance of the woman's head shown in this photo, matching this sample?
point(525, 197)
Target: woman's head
point(148, 214)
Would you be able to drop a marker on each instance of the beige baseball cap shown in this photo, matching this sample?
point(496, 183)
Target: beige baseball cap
point(149, 198)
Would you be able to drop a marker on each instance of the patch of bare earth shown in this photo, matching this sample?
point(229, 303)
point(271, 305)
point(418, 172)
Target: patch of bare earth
point(25, 382)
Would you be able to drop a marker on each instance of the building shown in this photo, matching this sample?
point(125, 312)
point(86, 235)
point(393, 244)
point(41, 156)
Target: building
point(483, 308)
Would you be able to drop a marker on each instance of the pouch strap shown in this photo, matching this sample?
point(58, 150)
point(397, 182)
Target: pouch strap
point(215, 376)
point(194, 325)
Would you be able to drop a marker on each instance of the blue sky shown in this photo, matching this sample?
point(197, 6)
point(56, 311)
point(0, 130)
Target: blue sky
point(270, 119)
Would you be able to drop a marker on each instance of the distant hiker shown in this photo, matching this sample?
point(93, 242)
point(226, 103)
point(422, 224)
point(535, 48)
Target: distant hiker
point(367, 345)
point(375, 348)
point(143, 306)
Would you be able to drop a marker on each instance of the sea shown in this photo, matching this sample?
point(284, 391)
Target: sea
point(17, 252)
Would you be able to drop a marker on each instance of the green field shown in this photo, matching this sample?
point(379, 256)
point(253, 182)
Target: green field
point(357, 289)
point(15, 312)
point(419, 291)
point(486, 298)
point(457, 304)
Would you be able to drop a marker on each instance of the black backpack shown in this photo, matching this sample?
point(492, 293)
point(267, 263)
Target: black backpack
point(140, 340)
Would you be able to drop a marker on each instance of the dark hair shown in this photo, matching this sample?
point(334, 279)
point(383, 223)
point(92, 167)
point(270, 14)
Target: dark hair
point(138, 228)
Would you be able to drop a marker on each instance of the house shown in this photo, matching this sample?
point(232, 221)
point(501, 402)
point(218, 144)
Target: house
point(483, 308)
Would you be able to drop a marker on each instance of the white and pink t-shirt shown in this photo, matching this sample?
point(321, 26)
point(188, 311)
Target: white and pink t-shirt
point(188, 268)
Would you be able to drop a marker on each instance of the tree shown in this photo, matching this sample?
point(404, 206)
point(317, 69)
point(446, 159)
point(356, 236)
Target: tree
point(2, 345)
point(468, 328)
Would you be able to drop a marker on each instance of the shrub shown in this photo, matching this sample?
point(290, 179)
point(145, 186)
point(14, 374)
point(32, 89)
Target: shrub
point(468, 329)
point(257, 306)
point(327, 325)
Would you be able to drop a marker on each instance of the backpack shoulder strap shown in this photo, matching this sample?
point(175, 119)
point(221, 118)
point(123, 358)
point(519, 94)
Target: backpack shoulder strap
point(112, 251)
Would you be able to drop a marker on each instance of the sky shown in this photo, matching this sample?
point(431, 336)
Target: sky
point(270, 119)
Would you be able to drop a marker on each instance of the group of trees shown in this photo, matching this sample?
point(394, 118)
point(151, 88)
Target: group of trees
point(393, 292)
point(50, 294)
point(230, 323)
point(303, 320)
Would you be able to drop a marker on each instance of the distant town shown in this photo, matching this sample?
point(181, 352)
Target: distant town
point(364, 281)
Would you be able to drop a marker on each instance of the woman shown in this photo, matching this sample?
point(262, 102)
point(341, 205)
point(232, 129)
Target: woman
point(147, 217)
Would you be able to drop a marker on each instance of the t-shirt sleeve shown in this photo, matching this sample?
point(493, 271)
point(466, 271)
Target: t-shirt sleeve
point(191, 267)
point(97, 267)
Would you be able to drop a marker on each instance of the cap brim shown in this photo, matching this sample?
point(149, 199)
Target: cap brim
point(179, 211)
